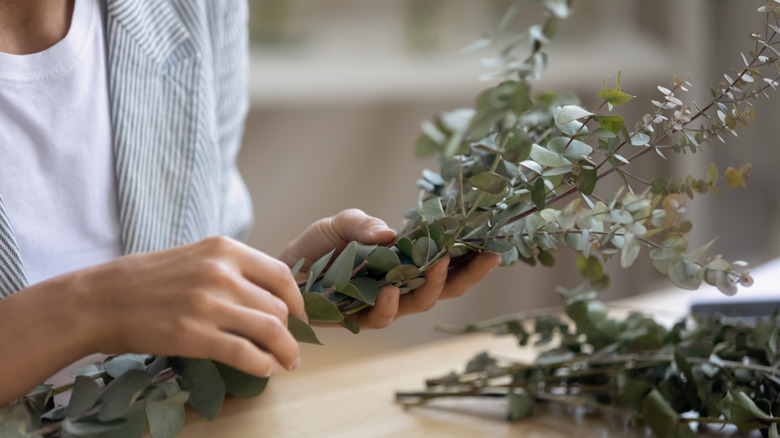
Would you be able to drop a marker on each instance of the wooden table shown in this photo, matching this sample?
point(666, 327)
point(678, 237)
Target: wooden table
point(356, 399)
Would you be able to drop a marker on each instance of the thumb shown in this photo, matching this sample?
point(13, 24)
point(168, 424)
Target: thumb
point(354, 224)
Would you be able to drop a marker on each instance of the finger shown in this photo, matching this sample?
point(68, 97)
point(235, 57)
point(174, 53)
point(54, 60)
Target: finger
point(274, 276)
point(425, 297)
point(260, 299)
point(235, 351)
point(383, 312)
point(461, 280)
point(265, 330)
point(354, 224)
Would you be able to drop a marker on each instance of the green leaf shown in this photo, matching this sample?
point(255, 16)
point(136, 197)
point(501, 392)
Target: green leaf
point(576, 150)
point(640, 139)
point(367, 289)
point(521, 405)
point(340, 271)
point(712, 174)
point(166, 418)
point(405, 245)
point(301, 331)
point(685, 274)
point(90, 370)
point(612, 124)
point(133, 426)
point(38, 397)
point(431, 209)
point(203, 381)
point(15, 420)
point(118, 365)
point(239, 383)
point(548, 158)
point(734, 178)
point(489, 182)
point(673, 246)
point(569, 113)
point(745, 413)
point(539, 194)
point(83, 397)
point(659, 415)
point(588, 179)
point(319, 308)
point(426, 146)
point(424, 251)
point(517, 146)
point(121, 393)
point(614, 97)
point(316, 269)
point(351, 325)
point(630, 252)
point(382, 259)
point(590, 268)
point(401, 274)
point(295, 269)
point(88, 428)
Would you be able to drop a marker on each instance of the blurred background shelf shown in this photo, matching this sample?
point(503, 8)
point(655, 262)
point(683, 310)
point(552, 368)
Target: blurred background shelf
point(332, 78)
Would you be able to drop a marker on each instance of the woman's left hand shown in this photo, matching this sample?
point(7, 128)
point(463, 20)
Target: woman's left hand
point(336, 231)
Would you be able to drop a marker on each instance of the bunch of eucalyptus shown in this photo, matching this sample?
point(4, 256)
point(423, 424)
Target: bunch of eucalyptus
point(520, 176)
point(708, 371)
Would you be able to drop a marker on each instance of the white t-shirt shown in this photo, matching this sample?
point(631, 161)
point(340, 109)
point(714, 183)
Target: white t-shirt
point(57, 176)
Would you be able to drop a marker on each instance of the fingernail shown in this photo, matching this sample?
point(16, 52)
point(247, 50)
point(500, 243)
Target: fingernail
point(295, 364)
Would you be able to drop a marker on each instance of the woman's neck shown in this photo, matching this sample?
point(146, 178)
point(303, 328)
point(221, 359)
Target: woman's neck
point(31, 26)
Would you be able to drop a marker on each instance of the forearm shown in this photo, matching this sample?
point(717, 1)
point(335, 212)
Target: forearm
point(41, 332)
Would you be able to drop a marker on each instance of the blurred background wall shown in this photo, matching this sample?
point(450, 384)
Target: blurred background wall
point(339, 88)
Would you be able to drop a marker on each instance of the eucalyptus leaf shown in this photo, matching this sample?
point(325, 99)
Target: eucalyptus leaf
point(297, 267)
point(569, 113)
point(239, 383)
point(316, 269)
point(521, 405)
point(121, 393)
point(165, 419)
point(118, 365)
point(87, 428)
point(401, 274)
point(489, 182)
point(340, 271)
point(382, 259)
point(424, 250)
point(319, 308)
point(201, 378)
point(301, 331)
point(83, 397)
point(548, 158)
point(367, 289)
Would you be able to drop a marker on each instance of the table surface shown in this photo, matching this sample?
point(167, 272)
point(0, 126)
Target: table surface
point(356, 399)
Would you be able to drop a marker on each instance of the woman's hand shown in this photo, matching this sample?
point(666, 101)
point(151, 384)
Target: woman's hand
point(336, 231)
point(215, 299)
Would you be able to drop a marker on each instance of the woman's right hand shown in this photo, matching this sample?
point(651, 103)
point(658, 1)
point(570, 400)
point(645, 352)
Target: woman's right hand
point(217, 299)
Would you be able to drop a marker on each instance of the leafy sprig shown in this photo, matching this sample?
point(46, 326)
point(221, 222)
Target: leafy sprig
point(506, 167)
point(706, 370)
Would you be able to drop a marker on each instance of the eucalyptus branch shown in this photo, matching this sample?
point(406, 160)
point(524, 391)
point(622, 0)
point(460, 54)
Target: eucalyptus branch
point(629, 366)
point(506, 166)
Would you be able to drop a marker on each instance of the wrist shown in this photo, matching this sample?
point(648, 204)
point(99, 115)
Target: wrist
point(76, 312)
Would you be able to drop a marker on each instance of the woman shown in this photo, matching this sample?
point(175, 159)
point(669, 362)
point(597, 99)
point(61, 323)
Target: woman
point(121, 208)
